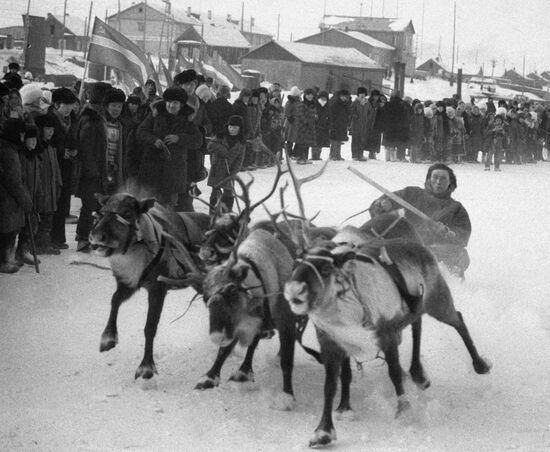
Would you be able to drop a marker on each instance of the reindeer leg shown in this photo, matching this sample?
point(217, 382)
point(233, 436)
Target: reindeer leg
point(212, 377)
point(325, 432)
point(109, 338)
point(345, 381)
point(245, 372)
point(481, 366)
point(287, 338)
point(391, 353)
point(156, 296)
point(416, 370)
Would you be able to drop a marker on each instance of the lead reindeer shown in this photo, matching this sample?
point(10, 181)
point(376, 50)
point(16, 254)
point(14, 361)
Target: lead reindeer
point(360, 293)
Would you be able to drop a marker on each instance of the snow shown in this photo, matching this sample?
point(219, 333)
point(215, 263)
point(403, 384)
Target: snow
point(59, 393)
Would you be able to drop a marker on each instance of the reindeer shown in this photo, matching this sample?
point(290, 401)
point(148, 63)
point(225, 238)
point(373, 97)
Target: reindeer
point(138, 237)
point(360, 298)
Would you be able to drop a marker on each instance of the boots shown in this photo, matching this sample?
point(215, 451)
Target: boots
point(24, 255)
point(6, 263)
point(44, 245)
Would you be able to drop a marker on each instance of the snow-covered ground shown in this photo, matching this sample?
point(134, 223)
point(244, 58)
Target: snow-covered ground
point(58, 393)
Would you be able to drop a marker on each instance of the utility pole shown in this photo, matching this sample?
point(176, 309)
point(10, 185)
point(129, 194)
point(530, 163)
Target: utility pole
point(422, 35)
point(278, 25)
point(361, 9)
point(64, 17)
point(523, 78)
point(144, 26)
point(383, 5)
point(119, 16)
point(27, 21)
point(396, 8)
point(371, 2)
point(454, 39)
point(242, 17)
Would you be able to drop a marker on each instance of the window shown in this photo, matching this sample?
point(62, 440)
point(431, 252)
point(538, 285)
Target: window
point(52, 29)
point(141, 26)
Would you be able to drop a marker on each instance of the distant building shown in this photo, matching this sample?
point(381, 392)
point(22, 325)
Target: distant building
point(141, 21)
point(309, 65)
point(74, 32)
point(208, 39)
point(434, 67)
point(397, 33)
point(14, 36)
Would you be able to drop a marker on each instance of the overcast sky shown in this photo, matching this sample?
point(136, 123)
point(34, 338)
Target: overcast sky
point(504, 30)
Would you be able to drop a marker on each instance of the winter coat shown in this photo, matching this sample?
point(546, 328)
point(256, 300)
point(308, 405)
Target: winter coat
point(15, 199)
point(441, 127)
point(64, 137)
point(417, 133)
point(292, 118)
point(429, 124)
point(241, 109)
point(306, 123)
point(166, 174)
point(225, 161)
point(362, 119)
point(254, 121)
point(92, 153)
point(51, 178)
point(322, 138)
point(31, 175)
point(396, 132)
point(219, 112)
point(476, 131)
point(457, 130)
point(339, 118)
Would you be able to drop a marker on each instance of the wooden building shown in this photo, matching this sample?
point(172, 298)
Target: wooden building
point(309, 65)
point(397, 33)
point(14, 36)
point(376, 50)
point(210, 39)
point(74, 32)
point(142, 23)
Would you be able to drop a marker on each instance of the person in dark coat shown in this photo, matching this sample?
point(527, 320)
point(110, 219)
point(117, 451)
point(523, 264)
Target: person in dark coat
point(396, 133)
point(449, 236)
point(227, 151)
point(417, 133)
point(322, 138)
point(15, 200)
point(442, 134)
point(339, 119)
point(167, 138)
point(307, 118)
point(101, 152)
point(359, 112)
point(375, 137)
point(31, 177)
point(273, 119)
point(51, 183)
point(65, 145)
point(292, 119)
point(220, 110)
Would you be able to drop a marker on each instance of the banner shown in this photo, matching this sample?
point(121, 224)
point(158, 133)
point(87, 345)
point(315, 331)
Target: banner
point(111, 48)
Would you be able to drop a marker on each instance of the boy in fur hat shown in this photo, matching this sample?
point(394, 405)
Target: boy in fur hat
point(51, 183)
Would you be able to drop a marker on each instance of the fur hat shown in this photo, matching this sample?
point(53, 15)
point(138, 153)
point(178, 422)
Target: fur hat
point(255, 93)
point(501, 111)
point(362, 90)
point(375, 92)
point(4, 90)
point(343, 92)
point(133, 99)
point(224, 91)
point(175, 93)
point(295, 92)
point(309, 91)
point(13, 81)
point(47, 120)
point(235, 120)
point(14, 65)
point(97, 92)
point(203, 93)
point(31, 95)
point(322, 94)
point(113, 96)
point(428, 112)
point(185, 77)
point(63, 96)
point(31, 131)
point(451, 112)
point(440, 103)
point(13, 128)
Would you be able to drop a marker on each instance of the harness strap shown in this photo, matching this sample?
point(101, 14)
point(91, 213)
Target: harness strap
point(268, 319)
point(154, 262)
point(301, 323)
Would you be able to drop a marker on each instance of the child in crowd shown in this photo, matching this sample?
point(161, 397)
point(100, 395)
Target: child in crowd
point(497, 133)
point(227, 152)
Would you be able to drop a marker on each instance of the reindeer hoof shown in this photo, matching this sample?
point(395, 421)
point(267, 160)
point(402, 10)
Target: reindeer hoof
point(108, 342)
point(482, 366)
point(322, 438)
point(241, 377)
point(207, 382)
point(345, 414)
point(403, 407)
point(146, 371)
point(283, 402)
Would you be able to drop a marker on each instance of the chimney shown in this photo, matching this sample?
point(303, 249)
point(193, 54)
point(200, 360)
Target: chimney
point(229, 18)
point(209, 14)
point(188, 10)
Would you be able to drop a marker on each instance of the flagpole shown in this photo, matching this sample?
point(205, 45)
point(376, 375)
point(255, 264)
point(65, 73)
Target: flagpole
point(86, 61)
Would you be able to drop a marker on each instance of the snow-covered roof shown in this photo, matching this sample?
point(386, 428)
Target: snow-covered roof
point(222, 36)
point(367, 23)
point(368, 39)
point(333, 56)
point(72, 23)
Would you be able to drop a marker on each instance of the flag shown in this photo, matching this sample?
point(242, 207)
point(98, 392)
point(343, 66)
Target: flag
point(155, 75)
point(166, 72)
point(111, 48)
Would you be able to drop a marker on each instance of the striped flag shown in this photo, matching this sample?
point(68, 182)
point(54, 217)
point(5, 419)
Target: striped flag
point(111, 48)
